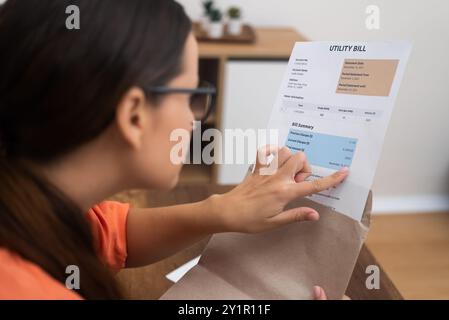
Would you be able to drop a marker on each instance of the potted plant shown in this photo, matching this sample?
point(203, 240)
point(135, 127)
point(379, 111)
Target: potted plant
point(235, 21)
point(208, 6)
point(216, 24)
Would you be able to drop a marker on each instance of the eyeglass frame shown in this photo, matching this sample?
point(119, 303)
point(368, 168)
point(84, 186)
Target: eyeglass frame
point(208, 91)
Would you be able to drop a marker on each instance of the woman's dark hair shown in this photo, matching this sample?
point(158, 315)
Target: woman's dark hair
point(58, 90)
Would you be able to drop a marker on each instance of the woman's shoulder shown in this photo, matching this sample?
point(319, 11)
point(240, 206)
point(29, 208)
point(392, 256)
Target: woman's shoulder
point(22, 279)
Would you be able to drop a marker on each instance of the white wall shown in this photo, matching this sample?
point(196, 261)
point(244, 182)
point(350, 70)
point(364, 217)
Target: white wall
point(413, 172)
point(249, 111)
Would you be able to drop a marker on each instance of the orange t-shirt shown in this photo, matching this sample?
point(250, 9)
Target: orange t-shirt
point(22, 279)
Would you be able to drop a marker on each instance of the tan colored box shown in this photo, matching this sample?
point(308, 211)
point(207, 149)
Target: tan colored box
point(367, 77)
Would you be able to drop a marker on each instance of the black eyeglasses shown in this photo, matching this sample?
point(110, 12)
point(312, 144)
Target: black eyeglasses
point(200, 99)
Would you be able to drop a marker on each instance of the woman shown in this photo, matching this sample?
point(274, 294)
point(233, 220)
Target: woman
point(87, 113)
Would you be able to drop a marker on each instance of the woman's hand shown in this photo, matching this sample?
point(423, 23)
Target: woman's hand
point(257, 204)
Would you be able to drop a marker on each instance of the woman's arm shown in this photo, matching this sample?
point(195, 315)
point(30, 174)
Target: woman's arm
point(156, 233)
point(255, 205)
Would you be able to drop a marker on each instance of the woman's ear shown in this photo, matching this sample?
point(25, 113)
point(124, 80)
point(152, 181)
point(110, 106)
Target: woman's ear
point(132, 117)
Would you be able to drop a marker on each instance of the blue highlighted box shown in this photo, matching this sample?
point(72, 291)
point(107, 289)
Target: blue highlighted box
point(323, 150)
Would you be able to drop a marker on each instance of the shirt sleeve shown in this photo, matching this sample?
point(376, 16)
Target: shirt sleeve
point(108, 222)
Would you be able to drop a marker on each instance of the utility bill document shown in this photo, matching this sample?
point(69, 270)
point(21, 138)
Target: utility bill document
point(334, 105)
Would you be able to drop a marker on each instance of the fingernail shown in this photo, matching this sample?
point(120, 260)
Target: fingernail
point(313, 216)
point(317, 292)
point(343, 170)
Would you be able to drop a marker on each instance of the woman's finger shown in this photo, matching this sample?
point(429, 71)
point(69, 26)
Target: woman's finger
point(295, 215)
point(318, 293)
point(307, 188)
point(270, 158)
point(283, 155)
point(295, 164)
point(305, 173)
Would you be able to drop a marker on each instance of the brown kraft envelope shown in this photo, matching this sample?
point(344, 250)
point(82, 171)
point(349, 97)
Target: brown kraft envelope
point(281, 264)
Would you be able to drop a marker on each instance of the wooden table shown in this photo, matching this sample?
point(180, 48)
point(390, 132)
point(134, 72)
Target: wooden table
point(271, 43)
point(150, 282)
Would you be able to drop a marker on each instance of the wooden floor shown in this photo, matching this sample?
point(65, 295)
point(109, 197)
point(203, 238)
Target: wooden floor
point(413, 249)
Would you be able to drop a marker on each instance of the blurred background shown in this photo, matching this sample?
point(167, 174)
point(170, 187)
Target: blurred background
point(244, 49)
point(413, 172)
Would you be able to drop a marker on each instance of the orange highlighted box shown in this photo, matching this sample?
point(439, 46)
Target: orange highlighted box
point(367, 77)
